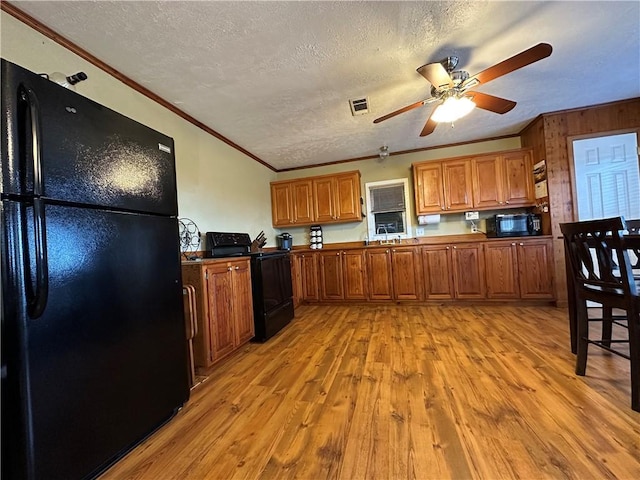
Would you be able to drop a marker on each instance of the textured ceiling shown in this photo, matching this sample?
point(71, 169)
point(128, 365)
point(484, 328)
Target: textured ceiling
point(275, 77)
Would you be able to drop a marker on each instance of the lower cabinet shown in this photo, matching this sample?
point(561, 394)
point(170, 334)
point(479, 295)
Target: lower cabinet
point(511, 269)
point(394, 273)
point(468, 271)
point(224, 307)
point(519, 269)
point(438, 272)
point(342, 274)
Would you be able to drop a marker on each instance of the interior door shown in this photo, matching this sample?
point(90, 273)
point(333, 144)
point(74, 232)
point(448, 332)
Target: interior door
point(607, 176)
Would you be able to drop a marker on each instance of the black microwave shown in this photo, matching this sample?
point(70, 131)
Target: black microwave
point(514, 225)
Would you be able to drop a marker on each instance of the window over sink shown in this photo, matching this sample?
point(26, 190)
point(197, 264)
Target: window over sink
point(388, 209)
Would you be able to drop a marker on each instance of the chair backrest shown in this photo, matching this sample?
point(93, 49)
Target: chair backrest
point(598, 260)
point(633, 227)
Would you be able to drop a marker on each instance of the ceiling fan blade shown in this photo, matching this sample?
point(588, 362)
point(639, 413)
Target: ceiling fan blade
point(402, 110)
point(522, 59)
point(491, 103)
point(436, 74)
point(429, 127)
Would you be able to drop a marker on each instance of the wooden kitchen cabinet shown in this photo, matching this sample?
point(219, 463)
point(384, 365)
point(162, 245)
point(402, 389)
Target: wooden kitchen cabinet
point(309, 273)
point(437, 272)
point(501, 269)
point(316, 200)
point(457, 185)
point(468, 271)
point(331, 275)
point(342, 275)
point(535, 262)
point(379, 272)
point(443, 187)
point(519, 268)
point(296, 279)
point(355, 274)
point(503, 180)
point(406, 273)
point(337, 198)
point(291, 203)
point(224, 307)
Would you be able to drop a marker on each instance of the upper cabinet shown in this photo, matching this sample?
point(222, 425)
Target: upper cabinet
point(441, 187)
point(503, 180)
point(497, 180)
point(316, 200)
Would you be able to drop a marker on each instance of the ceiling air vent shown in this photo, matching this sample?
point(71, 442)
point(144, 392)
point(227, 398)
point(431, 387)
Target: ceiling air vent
point(359, 106)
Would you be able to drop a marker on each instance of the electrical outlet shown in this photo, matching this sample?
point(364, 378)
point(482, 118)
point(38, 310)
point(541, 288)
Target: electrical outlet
point(419, 231)
point(474, 227)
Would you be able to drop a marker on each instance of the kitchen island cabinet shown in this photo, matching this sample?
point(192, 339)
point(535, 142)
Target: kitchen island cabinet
point(224, 307)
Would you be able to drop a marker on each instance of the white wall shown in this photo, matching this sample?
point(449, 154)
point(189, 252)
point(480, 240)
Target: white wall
point(219, 187)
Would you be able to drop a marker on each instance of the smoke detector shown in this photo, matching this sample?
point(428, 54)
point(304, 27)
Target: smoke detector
point(359, 106)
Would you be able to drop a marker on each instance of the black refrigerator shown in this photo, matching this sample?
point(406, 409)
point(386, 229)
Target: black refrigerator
point(94, 350)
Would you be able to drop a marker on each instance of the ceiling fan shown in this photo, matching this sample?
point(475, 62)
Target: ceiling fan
point(453, 87)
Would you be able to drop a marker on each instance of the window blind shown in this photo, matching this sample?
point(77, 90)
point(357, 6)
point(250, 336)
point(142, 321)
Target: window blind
point(387, 198)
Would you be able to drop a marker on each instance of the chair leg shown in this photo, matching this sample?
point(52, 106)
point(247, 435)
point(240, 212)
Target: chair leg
point(607, 325)
point(582, 322)
point(634, 354)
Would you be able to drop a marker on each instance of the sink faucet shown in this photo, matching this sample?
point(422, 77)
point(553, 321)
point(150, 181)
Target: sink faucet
point(386, 236)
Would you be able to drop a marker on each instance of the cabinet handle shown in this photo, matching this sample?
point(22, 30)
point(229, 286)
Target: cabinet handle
point(237, 268)
point(442, 208)
point(386, 251)
point(446, 248)
point(507, 202)
point(229, 269)
point(338, 253)
point(521, 243)
point(513, 244)
point(455, 248)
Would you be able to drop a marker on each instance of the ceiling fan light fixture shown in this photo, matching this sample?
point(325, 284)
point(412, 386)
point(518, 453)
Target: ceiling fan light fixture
point(452, 109)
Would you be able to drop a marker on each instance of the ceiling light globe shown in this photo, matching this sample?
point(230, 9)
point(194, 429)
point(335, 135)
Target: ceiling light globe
point(452, 109)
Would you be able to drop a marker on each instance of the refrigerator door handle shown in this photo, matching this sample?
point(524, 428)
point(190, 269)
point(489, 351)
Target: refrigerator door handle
point(38, 302)
point(36, 153)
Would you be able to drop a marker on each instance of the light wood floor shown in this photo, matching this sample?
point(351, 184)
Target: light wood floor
point(403, 392)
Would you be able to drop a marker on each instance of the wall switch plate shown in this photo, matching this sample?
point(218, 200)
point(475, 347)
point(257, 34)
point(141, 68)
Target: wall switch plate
point(419, 231)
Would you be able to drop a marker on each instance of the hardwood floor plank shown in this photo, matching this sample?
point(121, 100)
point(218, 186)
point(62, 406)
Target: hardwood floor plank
point(403, 392)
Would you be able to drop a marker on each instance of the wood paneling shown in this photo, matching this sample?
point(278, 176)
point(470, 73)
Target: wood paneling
point(548, 136)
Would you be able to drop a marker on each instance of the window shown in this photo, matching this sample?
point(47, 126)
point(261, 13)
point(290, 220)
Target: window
point(388, 209)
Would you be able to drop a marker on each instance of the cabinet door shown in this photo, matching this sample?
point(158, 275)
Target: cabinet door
point(302, 193)
point(501, 269)
point(281, 204)
point(222, 335)
point(405, 268)
point(331, 275)
point(438, 272)
point(379, 270)
point(347, 197)
point(355, 274)
point(296, 279)
point(242, 302)
point(323, 199)
point(518, 179)
point(428, 187)
point(468, 271)
point(457, 185)
point(487, 181)
point(309, 271)
point(535, 264)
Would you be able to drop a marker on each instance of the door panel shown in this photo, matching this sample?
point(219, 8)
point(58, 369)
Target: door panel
point(109, 352)
point(607, 177)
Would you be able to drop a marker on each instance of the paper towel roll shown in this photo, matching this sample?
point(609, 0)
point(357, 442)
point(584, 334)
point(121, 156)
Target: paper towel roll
point(428, 219)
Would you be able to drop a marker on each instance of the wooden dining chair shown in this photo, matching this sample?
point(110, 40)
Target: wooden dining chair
point(601, 272)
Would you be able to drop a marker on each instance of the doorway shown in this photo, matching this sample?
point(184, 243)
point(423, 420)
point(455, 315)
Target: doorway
point(606, 176)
